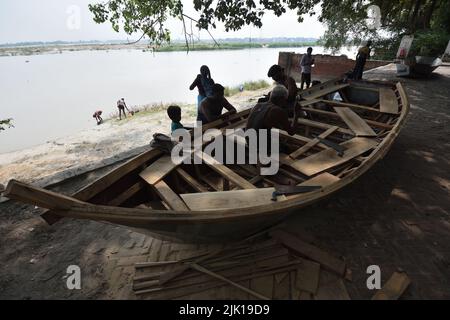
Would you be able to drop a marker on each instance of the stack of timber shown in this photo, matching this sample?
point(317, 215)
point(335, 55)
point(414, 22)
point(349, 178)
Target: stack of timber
point(347, 127)
point(282, 267)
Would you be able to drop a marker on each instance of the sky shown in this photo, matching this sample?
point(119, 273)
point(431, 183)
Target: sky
point(52, 20)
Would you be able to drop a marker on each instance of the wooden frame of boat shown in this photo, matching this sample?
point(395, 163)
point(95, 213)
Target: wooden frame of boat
point(216, 202)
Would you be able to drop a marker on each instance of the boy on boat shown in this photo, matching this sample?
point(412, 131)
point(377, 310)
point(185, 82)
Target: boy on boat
point(211, 108)
point(98, 116)
point(174, 113)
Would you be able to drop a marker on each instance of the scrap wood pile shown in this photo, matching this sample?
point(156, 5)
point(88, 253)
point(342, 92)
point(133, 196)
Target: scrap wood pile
point(288, 267)
point(283, 267)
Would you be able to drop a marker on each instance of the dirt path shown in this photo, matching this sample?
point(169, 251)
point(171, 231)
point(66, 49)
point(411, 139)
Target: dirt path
point(395, 216)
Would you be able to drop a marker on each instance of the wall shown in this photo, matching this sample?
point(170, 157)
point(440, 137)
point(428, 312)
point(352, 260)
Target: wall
point(327, 67)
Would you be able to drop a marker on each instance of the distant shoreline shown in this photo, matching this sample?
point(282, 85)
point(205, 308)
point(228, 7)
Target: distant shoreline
point(30, 50)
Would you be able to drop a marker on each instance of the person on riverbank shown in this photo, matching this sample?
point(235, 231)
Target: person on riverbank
point(211, 107)
point(174, 113)
point(98, 116)
point(361, 59)
point(306, 65)
point(121, 105)
point(204, 83)
point(277, 73)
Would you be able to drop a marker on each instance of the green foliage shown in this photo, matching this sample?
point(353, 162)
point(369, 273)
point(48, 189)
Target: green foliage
point(5, 124)
point(430, 43)
point(231, 46)
point(348, 21)
point(247, 86)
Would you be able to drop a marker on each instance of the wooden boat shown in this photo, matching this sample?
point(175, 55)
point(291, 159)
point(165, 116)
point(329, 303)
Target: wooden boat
point(215, 202)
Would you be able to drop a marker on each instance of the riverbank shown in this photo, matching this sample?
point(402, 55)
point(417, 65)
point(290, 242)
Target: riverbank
point(31, 50)
point(101, 145)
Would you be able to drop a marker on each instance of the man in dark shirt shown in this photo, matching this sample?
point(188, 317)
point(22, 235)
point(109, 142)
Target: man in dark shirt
point(272, 114)
point(277, 74)
point(211, 108)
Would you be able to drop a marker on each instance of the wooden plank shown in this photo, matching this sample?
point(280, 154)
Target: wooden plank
point(191, 181)
point(170, 197)
point(158, 170)
point(307, 278)
point(226, 172)
point(328, 159)
point(331, 288)
point(313, 143)
point(127, 194)
point(349, 105)
point(325, 91)
point(388, 101)
point(323, 180)
point(394, 287)
point(355, 122)
point(323, 126)
point(229, 199)
point(326, 260)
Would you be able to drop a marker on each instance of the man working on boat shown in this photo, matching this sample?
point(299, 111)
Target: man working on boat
point(361, 58)
point(211, 107)
point(273, 114)
point(277, 74)
point(306, 66)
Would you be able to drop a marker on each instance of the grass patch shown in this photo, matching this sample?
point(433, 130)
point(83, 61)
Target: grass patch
point(246, 86)
point(205, 46)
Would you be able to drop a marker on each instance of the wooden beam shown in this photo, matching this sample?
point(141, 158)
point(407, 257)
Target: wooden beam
point(158, 170)
point(170, 197)
point(226, 172)
point(328, 159)
point(355, 122)
point(321, 125)
point(335, 115)
point(314, 94)
point(394, 287)
point(309, 251)
point(39, 197)
point(191, 181)
point(388, 101)
point(313, 143)
point(349, 105)
point(127, 194)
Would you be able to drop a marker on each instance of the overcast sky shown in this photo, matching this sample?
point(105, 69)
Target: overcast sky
point(50, 20)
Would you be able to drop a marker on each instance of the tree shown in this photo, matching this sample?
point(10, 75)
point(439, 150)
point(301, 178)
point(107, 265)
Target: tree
point(4, 124)
point(347, 21)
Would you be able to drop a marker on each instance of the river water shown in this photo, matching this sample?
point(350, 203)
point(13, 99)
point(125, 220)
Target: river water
point(50, 96)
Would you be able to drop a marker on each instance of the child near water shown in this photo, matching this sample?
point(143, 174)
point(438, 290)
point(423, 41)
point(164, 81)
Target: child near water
point(98, 116)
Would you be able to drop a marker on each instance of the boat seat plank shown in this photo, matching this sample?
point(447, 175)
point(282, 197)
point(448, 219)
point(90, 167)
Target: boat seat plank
point(388, 101)
point(170, 197)
point(158, 170)
point(349, 105)
point(226, 172)
point(328, 159)
point(313, 143)
point(355, 122)
point(327, 90)
point(323, 126)
point(230, 199)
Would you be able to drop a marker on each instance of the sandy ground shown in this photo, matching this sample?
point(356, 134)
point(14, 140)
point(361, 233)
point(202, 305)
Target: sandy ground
point(97, 147)
point(396, 216)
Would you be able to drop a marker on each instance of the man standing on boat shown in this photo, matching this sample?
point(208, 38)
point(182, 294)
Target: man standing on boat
point(361, 58)
point(306, 65)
